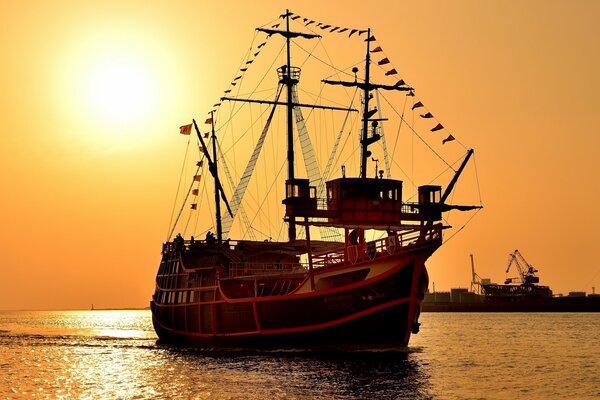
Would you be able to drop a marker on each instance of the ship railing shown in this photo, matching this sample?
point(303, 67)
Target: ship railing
point(376, 249)
point(240, 269)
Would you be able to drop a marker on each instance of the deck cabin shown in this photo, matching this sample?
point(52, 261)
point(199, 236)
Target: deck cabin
point(361, 201)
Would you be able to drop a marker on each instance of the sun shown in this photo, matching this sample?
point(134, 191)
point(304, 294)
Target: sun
point(119, 89)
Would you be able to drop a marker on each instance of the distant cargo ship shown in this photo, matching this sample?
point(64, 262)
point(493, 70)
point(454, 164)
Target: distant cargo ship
point(524, 296)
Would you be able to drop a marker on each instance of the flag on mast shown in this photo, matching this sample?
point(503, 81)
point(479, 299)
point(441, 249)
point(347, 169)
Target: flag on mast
point(185, 129)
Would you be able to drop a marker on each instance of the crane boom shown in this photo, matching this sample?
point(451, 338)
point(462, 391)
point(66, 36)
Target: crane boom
point(526, 270)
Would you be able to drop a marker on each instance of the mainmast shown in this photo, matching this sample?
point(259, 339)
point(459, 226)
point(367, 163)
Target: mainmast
point(290, 123)
point(289, 77)
point(365, 129)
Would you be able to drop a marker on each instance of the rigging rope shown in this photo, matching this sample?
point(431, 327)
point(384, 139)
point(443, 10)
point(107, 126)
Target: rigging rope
point(171, 228)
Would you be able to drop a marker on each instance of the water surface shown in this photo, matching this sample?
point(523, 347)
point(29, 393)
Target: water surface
point(114, 354)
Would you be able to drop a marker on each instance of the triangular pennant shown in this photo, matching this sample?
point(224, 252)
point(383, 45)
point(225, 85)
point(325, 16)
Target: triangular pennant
point(295, 17)
point(391, 72)
point(411, 94)
point(417, 105)
point(237, 77)
point(249, 61)
point(361, 32)
point(275, 26)
point(437, 127)
point(243, 69)
point(227, 91)
point(216, 104)
point(310, 22)
point(261, 45)
point(325, 26)
point(197, 178)
point(376, 49)
point(342, 30)
point(371, 39)
point(194, 206)
point(199, 163)
point(352, 32)
point(428, 115)
point(208, 121)
point(400, 83)
point(195, 192)
point(206, 135)
point(334, 29)
point(257, 53)
point(384, 61)
point(448, 139)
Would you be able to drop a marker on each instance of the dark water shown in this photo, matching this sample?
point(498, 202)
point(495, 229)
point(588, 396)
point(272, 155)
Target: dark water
point(113, 354)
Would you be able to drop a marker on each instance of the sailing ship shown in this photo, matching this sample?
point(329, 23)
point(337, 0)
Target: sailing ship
point(361, 287)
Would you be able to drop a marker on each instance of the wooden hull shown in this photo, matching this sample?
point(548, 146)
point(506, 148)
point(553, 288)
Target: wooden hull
point(378, 310)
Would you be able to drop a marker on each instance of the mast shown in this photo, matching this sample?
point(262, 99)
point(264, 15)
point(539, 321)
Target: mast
point(216, 176)
point(289, 81)
point(290, 123)
point(365, 127)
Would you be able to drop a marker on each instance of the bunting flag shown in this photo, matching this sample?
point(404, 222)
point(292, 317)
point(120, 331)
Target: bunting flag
point(206, 135)
point(233, 83)
point(325, 26)
point(361, 32)
point(275, 26)
point(417, 105)
point(411, 94)
point(295, 17)
point(448, 139)
point(376, 49)
point(400, 83)
point(185, 129)
point(257, 53)
point(209, 120)
point(310, 22)
point(237, 77)
point(334, 29)
point(392, 72)
point(352, 32)
point(194, 192)
point(342, 30)
point(261, 45)
point(384, 61)
point(193, 206)
point(428, 115)
point(227, 91)
point(437, 127)
point(216, 104)
point(371, 39)
point(249, 61)
point(197, 178)
point(199, 163)
point(243, 69)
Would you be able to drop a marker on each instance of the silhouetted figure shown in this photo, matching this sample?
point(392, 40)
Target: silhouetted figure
point(179, 242)
point(210, 238)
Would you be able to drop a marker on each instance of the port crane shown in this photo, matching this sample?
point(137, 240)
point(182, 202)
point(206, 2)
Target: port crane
point(526, 271)
point(475, 279)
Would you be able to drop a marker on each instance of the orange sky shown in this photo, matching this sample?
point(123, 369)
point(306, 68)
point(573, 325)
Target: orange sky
point(88, 180)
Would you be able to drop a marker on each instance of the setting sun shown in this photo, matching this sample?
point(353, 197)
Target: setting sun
point(119, 89)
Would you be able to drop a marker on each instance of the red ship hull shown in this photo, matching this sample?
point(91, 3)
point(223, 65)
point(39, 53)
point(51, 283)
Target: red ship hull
point(359, 311)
